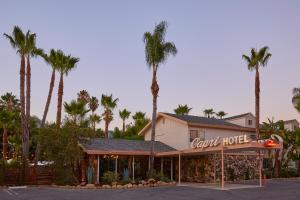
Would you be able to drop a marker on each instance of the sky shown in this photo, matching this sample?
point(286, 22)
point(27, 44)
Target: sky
point(207, 72)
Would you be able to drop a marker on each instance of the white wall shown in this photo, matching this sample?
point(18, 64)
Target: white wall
point(243, 121)
point(170, 132)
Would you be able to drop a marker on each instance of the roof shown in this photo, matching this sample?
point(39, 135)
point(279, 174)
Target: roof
point(238, 116)
point(291, 121)
point(196, 121)
point(202, 120)
point(122, 146)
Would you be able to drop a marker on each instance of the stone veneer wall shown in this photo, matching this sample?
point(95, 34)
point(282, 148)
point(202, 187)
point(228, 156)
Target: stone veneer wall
point(201, 168)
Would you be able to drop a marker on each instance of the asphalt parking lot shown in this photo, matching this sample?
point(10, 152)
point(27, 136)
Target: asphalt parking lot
point(275, 190)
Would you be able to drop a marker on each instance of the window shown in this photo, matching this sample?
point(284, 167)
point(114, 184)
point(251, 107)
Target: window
point(253, 137)
point(250, 122)
point(197, 134)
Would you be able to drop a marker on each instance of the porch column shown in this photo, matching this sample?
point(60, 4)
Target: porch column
point(214, 168)
point(222, 155)
point(162, 164)
point(171, 168)
point(98, 166)
point(133, 168)
point(179, 168)
point(116, 166)
point(149, 163)
point(260, 166)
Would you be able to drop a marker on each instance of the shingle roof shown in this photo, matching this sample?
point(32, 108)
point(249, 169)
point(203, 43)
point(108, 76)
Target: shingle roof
point(238, 116)
point(202, 120)
point(101, 144)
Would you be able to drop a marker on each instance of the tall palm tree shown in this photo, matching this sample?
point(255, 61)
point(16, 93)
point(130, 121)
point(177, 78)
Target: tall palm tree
point(256, 60)
point(124, 114)
point(156, 52)
point(221, 114)
point(53, 59)
point(94, 118)
point(18, 42)
point(208, 112)
point(9, 108)
point(30, 51)
point(109, 104)
point(67, 64)
point(296, 99)
point(182, 109)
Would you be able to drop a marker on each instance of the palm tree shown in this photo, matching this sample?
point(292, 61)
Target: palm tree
point(83, 96)
point(208, 113)
point(156, 51)
point(53, 59)
point(124, 114)
point(254, 61)
point(67, 64)
point(18, 42)
point(94, 118)
point(108, 103)
point(9, 107)
point(30, 51)
point(76, 109)
point(221, 114)
point(182, 109)
point(296, 99)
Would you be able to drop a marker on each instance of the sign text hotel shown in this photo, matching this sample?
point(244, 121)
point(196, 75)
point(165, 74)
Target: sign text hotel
point(202, 144)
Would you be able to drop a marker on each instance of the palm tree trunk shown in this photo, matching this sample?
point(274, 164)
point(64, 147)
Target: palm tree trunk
point(28, 88)
point(106, 128)
point(154, 90)
point(59, 99)
point(48, 98)
point(24, 127)
point(123, 126)
point(5, 144)
point(257, 105)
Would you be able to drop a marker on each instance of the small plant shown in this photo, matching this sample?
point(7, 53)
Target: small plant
point(110, 177)
point(231, 175)
point(247, 174)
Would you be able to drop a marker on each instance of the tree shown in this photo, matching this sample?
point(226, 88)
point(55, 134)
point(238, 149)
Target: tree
point(296, 99)
point(83, 96)
point(9, 108)
point(76, 109)
point(30, 51)
point(208, 112)
point(109, 104)
point(182, 109)
point(94, 118)
point(156, 52)
point(124, 114)
point(53, 59)
point(256, 60)
point(67, 63)
point(18, 42)
point(221, 114)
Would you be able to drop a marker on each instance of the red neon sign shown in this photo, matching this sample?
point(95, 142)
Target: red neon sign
point(270, 143)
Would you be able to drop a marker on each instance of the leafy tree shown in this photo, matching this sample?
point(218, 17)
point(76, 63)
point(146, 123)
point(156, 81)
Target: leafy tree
point(208, 113)
point(109, 104)
point(18, 42)
point(221, 114)
point(296, 99)
point(156, 52)
point(124, 114)
point(67, 63)
point(77, 110)
point(54, 60)
point(182, 109)
point(256, 60)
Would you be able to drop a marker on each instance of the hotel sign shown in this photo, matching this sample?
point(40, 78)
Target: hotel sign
point(198, 143)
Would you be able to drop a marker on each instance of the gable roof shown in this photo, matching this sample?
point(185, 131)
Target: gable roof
point(291, 121)
point(238, 116)
point(196, 121)
point(122, 146)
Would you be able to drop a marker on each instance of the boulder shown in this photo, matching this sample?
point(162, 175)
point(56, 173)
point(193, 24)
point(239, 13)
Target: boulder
point(106, 186)
point(120, 186)
point(129, 185)
point(140, 185)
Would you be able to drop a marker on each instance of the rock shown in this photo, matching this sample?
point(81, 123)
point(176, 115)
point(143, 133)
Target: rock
point(134, 186)
point(129, 185)
point(90, 185)
point(114, 186)
point(151, 180)
point(119, 186)
point(106, 186)
point(155, 185)
point(143, 182)
point(140, 185)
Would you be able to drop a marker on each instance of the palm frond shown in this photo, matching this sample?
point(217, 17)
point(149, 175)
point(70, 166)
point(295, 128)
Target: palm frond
point(11, 40)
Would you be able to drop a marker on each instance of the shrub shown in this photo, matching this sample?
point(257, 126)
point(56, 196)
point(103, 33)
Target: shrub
point(14, 164)
point(158, 176)
point(2, 172)
point(288, 172)
point(110, 177)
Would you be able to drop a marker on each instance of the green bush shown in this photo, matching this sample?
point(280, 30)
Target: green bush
point(110, 177)
point(288, 172)
point(268, 173)
point(2, 172)
point(158, 176)
point(14, 164)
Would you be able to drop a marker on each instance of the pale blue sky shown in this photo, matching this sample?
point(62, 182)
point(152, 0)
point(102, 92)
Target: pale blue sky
point(208, 71)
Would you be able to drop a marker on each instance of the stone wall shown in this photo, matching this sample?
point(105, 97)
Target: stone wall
point(207, 169)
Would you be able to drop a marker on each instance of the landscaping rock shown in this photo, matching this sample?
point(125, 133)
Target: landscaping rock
point(129, 185)
point(140, 185)
point(120, 186)
point(106, 186)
